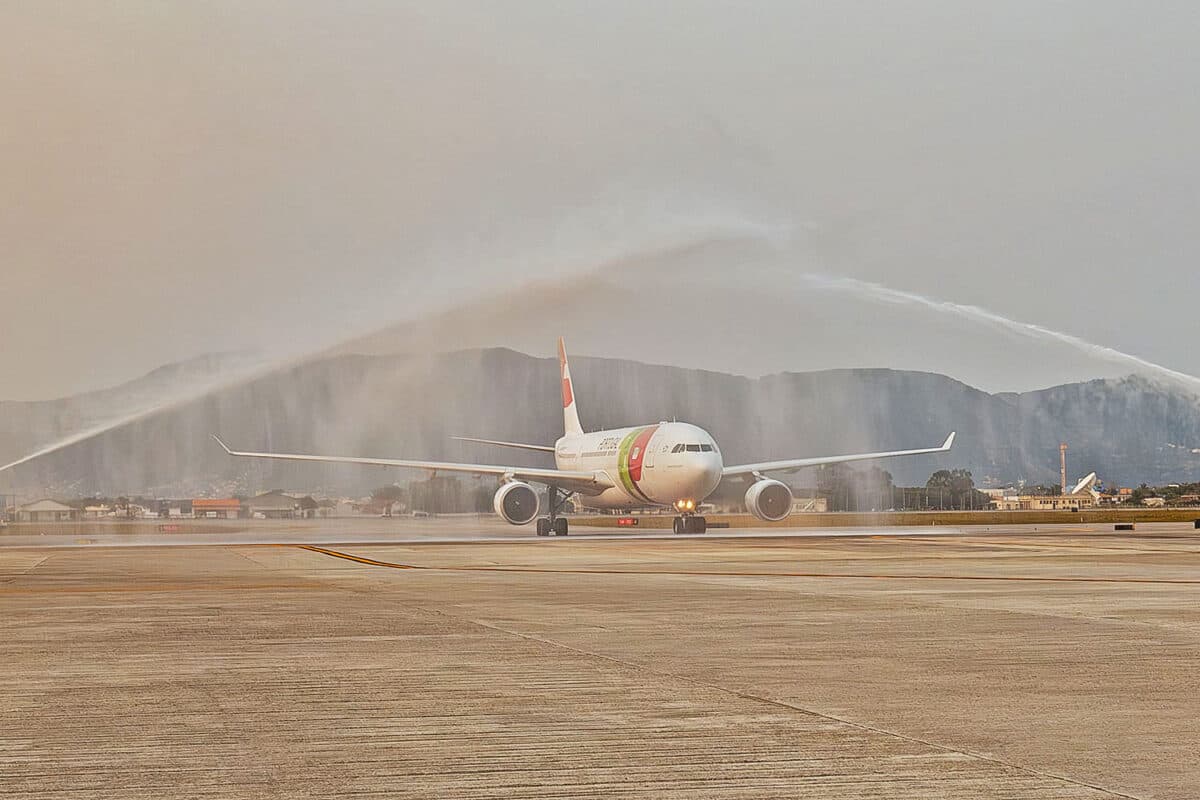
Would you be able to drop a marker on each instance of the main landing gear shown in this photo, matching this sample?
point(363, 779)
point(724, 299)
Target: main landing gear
point(690, 523)
point(554, 523)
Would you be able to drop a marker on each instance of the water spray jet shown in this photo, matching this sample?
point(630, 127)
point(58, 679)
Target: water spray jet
point(885, 295)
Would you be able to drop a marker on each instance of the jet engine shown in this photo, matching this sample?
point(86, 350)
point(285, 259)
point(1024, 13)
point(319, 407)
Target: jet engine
point(516, 502)
point(769, 500)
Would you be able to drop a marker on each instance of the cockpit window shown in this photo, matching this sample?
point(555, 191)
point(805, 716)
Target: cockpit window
point(694, 448)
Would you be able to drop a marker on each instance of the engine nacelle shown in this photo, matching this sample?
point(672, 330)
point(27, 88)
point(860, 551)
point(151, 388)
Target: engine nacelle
point(769, 500)
point(516, 502)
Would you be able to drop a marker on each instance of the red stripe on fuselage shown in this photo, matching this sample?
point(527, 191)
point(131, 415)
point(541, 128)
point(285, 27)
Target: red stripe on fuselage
point(637, 453)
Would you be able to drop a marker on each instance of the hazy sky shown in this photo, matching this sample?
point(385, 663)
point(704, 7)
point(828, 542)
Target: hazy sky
point(182, 178)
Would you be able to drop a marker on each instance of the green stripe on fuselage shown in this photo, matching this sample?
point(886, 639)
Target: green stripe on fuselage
point(623, 466)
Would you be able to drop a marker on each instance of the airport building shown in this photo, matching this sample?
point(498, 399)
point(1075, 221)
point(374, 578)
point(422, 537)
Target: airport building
point(175, 509)
point(277, 505)
point(47, 510)
point(1062, 502)
point(219, 508)
point(1083, 495)
point(810, 505)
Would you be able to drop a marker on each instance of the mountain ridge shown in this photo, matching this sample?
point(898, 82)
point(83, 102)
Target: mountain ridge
point(1127, 429)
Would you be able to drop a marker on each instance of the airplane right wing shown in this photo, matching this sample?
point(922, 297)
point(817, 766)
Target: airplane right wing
point(572, 480)
point(799, 463)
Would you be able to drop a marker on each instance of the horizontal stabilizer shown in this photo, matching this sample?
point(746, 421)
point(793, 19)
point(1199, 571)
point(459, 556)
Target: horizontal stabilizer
point(518, 445)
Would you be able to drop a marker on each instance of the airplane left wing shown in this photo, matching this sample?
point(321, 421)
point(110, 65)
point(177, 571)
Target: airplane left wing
point(800, 463)
point(573, 480)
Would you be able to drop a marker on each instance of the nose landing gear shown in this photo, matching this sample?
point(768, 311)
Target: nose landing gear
point(687, 521)
point(690, 523)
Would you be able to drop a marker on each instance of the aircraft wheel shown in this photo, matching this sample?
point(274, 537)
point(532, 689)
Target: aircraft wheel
point(699, 524)
point(543, 526)
point(560, 526)
point(680, 525)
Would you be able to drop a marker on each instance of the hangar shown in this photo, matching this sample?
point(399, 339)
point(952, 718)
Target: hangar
point(47, 510)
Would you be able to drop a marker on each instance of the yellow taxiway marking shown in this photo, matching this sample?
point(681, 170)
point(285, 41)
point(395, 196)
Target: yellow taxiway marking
point(151, 588)
point(745, 573)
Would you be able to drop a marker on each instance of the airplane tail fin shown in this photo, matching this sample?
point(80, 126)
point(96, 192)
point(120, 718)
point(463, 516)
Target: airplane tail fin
point(571, 424)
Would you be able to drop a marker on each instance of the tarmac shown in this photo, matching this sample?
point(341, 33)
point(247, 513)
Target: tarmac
point(437, 659)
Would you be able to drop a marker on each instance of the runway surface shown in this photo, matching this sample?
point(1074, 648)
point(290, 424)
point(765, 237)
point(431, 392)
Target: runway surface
point(322, 661)
point(465, 529)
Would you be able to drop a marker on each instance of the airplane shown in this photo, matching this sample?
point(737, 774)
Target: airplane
point(671, 464)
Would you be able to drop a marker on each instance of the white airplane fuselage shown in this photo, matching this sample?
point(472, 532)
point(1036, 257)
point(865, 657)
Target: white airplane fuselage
point(669, 464)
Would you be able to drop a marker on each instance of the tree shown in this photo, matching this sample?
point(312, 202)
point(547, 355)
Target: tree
point(847, 489)
point(955, 489)
point(442, 494)
point(482, 499)
point(389, 494)
point(1141, 493)
point(954, 480)
point(385, 497)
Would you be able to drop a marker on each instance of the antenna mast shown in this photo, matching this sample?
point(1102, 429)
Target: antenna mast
point(1062, 465)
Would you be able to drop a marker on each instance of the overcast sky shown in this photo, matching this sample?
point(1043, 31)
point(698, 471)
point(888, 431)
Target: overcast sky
point(187, 178)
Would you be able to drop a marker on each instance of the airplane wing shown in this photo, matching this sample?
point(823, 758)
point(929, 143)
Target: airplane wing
point(799, 463)
point(573, 480)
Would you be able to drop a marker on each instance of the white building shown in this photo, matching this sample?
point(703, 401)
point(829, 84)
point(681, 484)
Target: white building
point(1083, 495)
point(47, 510)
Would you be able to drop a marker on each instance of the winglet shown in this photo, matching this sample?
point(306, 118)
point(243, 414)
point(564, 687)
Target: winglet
point(217, 439)
point(949, 440)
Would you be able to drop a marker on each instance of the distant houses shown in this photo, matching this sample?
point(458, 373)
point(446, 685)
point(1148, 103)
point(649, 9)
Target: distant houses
point(268, 505)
